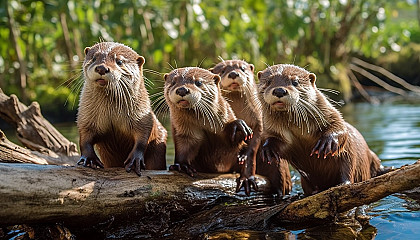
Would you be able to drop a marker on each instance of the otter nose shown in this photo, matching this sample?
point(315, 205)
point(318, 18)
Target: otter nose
point(101, 69)
point(279, 92)
point(233, 75)
point(182, 91)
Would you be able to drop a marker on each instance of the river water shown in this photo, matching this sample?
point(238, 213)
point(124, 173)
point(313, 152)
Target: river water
point(393, 132)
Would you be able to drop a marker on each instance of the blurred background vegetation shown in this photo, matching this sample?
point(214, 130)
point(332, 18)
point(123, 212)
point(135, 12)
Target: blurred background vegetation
point(42, 42)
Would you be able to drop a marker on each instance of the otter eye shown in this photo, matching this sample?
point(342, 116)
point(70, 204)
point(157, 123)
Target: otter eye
point(119, 62)
point(198, 83)
point(295, 83)
point(223, 71)
point(243, 68)
point(94, 59)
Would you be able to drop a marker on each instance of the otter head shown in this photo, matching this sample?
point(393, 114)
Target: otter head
point(109, 65)
point(283, 87)
point(236, 75)
point(191, 88)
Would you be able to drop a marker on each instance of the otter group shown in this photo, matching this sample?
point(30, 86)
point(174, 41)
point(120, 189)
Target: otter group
point(221, 121)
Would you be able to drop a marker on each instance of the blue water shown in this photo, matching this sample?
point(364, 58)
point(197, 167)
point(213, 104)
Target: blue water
point(393, 132)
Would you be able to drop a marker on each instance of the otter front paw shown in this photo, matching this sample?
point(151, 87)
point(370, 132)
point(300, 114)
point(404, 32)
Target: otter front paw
point(183, 167)
point(247, 183)
point(240, 131)
point(269, 153)
point(136, 160)
point(326, 145)
point(90, 161)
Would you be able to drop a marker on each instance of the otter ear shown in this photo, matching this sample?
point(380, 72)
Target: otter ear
point(87, 50)
point(140, 61)
point(259, 75)
point(252, 67)
point(216, 69)
point(312, 78)
point(165, 76)
point(216, 79)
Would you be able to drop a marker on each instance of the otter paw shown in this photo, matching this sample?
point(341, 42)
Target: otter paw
point(242, 157)
point(247, 184)
point(268, 154)
point(326, 145)
point(137, 162)
point(185, 168)
point(92, 162)
point(241, 131)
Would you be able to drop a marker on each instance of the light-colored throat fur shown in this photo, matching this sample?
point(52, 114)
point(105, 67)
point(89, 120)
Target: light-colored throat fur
point(309, 115)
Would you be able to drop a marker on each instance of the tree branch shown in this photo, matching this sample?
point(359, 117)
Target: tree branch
point(33, 130)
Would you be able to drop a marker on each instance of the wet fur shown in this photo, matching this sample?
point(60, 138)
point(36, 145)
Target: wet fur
point(116, 119)
point(201, 132)
point(295, 130)
point(245, 104)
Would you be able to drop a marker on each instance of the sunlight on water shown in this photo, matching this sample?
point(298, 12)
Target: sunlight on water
point(393, 132)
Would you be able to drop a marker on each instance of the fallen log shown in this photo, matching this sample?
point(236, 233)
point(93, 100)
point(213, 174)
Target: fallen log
point(33, 130)
point(13, 153)
point(160, 200)
point(322, 207)
point(78, 196)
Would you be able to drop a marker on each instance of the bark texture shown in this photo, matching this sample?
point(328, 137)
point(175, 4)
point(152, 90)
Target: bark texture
point(33, 130)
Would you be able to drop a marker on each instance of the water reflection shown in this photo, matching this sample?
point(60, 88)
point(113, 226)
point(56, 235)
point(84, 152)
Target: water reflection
point(393, 132)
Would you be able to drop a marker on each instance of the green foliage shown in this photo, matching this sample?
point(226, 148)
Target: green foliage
point(320, 35)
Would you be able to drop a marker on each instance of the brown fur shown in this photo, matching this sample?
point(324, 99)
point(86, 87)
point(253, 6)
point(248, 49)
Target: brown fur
point(206, 133)
point(302, 127)
point(115, 114)
point(239, 88)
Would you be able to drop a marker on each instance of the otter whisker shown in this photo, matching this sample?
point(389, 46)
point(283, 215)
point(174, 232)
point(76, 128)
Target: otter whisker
point(148, 83)
point(159, 104)
point(333, 91)
point(152, 72)
point(315, 113)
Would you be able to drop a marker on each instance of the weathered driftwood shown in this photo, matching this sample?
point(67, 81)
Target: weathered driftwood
point(13, 153)
point(85, 197)
point(324, 206)
point(33, 130)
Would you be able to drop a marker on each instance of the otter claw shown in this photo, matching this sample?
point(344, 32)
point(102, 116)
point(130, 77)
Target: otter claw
point(242, 159)
point(186, 168)
point(247, 183)
point(137, 162)
point(243, 127)
point(326, 145)
point(90, 162)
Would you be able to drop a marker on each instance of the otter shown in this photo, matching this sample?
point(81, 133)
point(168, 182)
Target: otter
point(207, 135)
point(304, 128)
point(239, 88)
point(115, 116)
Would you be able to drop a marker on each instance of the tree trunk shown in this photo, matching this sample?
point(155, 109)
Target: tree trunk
point(14, 35)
